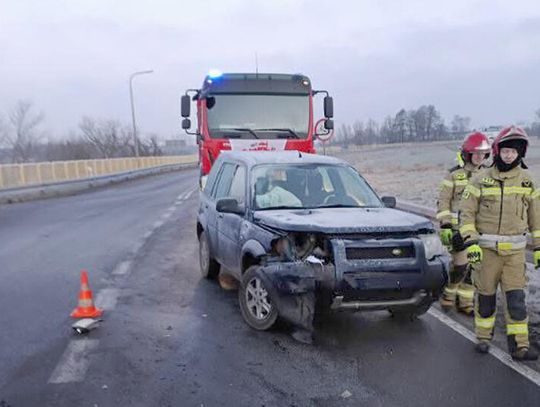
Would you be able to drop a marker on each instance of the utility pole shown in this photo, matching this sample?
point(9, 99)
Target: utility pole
point(135, 138)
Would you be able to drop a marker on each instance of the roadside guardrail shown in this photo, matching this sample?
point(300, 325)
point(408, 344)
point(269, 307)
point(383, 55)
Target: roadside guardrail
point(29, 174)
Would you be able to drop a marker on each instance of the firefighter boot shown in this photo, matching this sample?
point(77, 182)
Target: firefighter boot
point(525, 354)
point(482, 346)
point(448, 299)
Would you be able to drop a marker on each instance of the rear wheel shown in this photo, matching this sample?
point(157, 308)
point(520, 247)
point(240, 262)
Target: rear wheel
point(209, 267)
point(256, 305)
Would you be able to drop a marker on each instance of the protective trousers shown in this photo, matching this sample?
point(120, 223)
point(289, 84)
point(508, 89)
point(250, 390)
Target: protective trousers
point(459, 284)
point(508, 270)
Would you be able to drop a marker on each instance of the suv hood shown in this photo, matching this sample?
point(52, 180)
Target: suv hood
point(342, 220)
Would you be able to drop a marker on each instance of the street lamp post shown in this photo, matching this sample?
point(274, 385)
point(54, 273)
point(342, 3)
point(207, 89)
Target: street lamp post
point(135, 139)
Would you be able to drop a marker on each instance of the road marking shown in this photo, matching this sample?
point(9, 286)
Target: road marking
point(496, 352)
point(189, 194)
point(74, 362)
point(122, 268)
point(107, 298)
point(157, 224)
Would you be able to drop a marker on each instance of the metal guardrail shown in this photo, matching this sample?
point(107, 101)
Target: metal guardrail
point(33, 174)
point(430, 213)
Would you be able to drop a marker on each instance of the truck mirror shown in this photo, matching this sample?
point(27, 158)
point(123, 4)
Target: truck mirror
point(185, 107)
point(328, 107)
point(186, 124)
point(328, 124)
point(389, 201)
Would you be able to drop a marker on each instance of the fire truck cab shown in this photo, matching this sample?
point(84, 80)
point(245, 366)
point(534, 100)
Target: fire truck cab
point(253, 111)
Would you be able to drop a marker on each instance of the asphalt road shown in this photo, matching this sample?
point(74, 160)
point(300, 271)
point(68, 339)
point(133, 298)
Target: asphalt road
point(170, 338)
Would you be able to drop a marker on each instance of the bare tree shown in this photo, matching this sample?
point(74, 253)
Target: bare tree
point(107, 136)
point(22, 134)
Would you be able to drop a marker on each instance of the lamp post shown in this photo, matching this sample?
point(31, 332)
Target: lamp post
point(135, 139)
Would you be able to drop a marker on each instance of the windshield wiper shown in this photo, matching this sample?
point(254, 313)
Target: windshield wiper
point(338, 206)
point(244, 129)
point(290, 131)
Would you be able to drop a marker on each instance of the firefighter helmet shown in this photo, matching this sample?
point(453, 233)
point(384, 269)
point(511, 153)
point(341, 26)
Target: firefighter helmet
point(513, 137)
point(474, 143)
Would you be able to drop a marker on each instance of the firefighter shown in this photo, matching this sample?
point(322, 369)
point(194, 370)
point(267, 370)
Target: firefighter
point(499, 206)
point(471, 157)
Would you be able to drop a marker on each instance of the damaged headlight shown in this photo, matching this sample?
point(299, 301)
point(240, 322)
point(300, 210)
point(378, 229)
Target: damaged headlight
point(432, 245)
point(299, 246)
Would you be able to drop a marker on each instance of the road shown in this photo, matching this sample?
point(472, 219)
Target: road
point(170, 338)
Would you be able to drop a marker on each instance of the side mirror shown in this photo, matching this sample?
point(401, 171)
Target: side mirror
point(230, 205)
point(185, 106)
point(389, 201)
point(328, 107)
point(329, 124)
point(186, 124)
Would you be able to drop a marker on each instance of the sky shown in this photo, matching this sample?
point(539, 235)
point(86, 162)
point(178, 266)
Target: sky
point(73, 58)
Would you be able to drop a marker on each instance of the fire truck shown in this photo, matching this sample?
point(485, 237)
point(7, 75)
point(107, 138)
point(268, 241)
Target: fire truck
point(254, 112)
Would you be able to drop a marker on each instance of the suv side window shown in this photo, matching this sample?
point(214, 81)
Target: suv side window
point(223, 183)
point(238, 186)
point(210, 181)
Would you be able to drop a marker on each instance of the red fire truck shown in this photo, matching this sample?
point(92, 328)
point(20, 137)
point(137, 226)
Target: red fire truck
point(253, 111)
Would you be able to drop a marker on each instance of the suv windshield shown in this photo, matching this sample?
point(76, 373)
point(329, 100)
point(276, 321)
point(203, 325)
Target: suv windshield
point(258, 116)
point(310, 186)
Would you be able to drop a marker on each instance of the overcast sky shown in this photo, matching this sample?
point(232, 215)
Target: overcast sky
point(73, 58)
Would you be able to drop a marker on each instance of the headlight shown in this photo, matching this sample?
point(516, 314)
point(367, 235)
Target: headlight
point(432, 245)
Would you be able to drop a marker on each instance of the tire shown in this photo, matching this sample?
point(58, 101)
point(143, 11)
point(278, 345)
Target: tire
point(209, 267)
point(256, 305)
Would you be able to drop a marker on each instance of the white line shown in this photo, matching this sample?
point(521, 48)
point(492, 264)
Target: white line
point(157, 224)
point(189, 194)
point(74, 362)
point(107, 298)
point(499, 354)
point(147, 235)
point(122, 268)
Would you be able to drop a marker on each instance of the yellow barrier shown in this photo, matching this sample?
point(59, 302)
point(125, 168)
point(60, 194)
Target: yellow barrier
point(20, 175)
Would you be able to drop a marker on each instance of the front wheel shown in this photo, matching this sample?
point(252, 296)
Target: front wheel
point(256, 305)
point(209, 267)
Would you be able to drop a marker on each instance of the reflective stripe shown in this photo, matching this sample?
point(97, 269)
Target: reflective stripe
point(473, 190)
point(469, 294)
point(487, 323)
point(494, 191)
point(536, 193)
point(517, 190)
point(499, 242)
point(491, 191)
point(461, 182)
point(454, 221)
point(517, 329)
point(446, 183)
point(467, 228)
point(536, 233)
point(442, 214)
point(450, 290)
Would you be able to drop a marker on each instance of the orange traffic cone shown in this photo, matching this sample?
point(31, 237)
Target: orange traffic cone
point(86, 308)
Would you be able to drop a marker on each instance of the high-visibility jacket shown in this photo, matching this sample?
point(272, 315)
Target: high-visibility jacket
point(450, 191)
point(500, 207)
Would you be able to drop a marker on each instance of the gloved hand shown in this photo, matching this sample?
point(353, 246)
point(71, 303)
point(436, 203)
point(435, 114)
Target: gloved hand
point(536, 257)
point(474, 254)
point(446, 235)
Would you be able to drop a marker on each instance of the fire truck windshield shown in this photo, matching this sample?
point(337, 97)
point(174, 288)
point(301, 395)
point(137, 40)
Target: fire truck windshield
point(258, 116)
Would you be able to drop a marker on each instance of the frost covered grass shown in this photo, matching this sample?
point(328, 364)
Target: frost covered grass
point(413, 172)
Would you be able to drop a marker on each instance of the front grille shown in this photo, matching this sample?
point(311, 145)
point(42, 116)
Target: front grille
point(385, 252)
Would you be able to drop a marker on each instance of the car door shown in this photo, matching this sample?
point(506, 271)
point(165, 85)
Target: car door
point(230, 224)
point(220, 189)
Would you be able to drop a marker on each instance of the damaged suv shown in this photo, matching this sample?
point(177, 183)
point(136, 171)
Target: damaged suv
point(302, 231)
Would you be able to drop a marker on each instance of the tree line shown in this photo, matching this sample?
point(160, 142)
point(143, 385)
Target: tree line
point(22, 139)
point(414, 125)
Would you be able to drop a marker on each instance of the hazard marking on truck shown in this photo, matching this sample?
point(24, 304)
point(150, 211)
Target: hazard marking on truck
point(257, 145)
